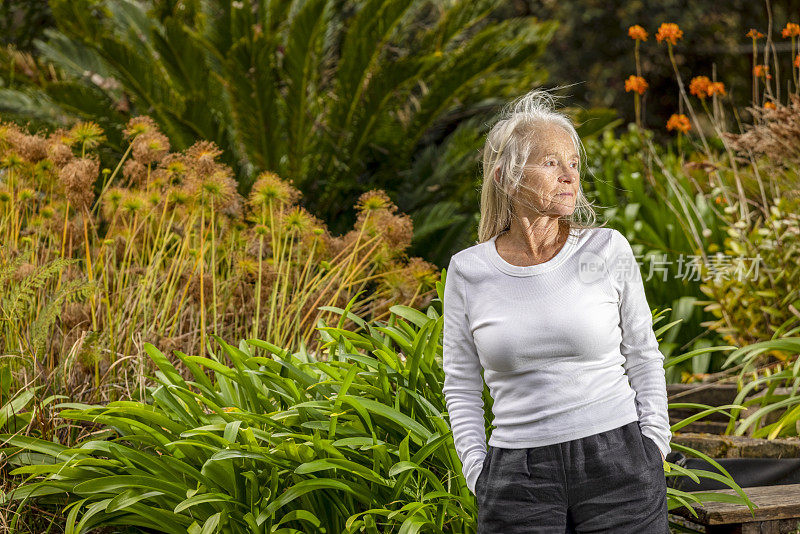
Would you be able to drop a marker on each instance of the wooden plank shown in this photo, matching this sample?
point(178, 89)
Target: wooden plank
point(718, 446)
point(773, 503)
point(780, 526)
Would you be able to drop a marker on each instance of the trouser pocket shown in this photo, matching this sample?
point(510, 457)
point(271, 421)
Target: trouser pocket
point(651, 449)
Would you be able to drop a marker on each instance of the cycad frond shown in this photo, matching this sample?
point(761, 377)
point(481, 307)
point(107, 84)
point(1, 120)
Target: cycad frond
point(303, 54)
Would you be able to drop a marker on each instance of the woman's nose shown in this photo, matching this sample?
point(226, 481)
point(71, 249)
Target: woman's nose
point(569, 175)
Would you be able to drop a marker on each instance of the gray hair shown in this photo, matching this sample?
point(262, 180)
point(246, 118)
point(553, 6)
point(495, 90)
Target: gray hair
point(508, 145)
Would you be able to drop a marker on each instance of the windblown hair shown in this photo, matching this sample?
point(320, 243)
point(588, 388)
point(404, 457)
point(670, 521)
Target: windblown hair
point(508, 146)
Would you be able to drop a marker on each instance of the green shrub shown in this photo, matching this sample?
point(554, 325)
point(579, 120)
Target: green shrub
point(263, 440)
point(660, 222)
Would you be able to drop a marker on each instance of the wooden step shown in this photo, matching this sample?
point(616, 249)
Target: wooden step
point(718, 446)
point(777, 511)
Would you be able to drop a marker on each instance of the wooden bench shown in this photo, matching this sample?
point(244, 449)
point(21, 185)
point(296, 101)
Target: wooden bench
point(777, 511)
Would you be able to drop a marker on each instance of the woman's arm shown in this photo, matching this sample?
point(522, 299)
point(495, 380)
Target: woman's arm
point(644, 362)
point(463, 384)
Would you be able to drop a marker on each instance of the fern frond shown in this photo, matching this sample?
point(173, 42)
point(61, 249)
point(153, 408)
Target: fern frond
point(42, 325)
point(20, 295)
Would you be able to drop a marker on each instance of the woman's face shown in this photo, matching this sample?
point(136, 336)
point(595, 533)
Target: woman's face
point(551, 178)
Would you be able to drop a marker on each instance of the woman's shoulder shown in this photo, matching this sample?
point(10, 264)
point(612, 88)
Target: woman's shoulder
point(470, 259)
point(600, 237)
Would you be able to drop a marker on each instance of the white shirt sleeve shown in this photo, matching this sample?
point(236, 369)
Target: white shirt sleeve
point(644, 362)
point(463, 384)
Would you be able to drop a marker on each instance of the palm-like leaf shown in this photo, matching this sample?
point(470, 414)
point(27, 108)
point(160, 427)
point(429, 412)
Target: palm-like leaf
point(336, 95)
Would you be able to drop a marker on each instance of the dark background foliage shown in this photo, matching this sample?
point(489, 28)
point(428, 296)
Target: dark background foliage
point(596, 61)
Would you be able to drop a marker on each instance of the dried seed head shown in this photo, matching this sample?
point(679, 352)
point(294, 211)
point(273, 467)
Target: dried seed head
point(202, 156)
point(11, 160)
point(132, 202)
point(141, 124)
point(32, 147)
point(78, 177)
point(396, 230)
point(112, 200)
point(375, 200)
point(135, 173)
point(424, 272)
point(57, 149)
point(269, 187)
point(63, 136)
point(26, 194)
point(217, 188)
point(10, 134)
point(300, 221)
point(159, 178)
point(87, 134)
point(179, 197)
point(150, 147)
point(174, 167)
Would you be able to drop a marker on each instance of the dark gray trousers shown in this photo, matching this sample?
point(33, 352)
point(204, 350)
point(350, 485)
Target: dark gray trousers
point(608, 482)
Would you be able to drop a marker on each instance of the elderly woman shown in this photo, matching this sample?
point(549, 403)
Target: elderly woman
point(554, 312)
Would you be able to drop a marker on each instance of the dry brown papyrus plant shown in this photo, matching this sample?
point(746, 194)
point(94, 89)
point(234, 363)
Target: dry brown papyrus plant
point(774, 134)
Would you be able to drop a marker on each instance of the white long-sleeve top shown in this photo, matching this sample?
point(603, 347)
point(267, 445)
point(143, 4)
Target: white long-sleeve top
point(558, 343)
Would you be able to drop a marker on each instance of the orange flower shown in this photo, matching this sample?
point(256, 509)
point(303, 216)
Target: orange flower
point(670, 32)
point(716, 88)
point(720, 200)
point(760, 71)
point(635, 83)
point(637, 32)
point(699, 86)
point(797, 60)
point(755, 34)
point(769, 105)
point(679, 122)
point(791, 30)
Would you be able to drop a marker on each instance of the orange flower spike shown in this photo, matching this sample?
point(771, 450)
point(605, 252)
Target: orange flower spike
point(637, 33)
point(797, 60)
point(716, 88)
point(791, 30)
point(670, 32)
point(680, 122)
point(699, 86)
point(769, 105)
point(761, 71)
point(635, 83)
point(755, 34)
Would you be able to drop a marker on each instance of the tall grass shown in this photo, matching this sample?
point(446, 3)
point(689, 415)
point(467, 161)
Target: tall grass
point(167, 252)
